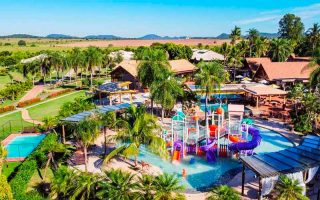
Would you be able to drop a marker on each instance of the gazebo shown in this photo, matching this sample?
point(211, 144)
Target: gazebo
point(300, 163)
point(114, 88)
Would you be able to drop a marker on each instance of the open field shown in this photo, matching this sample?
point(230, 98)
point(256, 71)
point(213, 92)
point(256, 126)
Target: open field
point(136, 43)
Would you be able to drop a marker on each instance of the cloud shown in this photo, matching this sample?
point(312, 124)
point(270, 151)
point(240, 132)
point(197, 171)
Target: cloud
point(305, 12)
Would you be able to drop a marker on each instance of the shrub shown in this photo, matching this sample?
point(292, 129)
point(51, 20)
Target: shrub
point(28, 102)
point(22, 43)
point(19, 182)
point(6, 108)
point(7, 44)
point(54, 94)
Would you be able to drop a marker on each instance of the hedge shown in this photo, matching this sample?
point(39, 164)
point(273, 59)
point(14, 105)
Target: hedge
point(19, 183)
point(6, 108)
point(55, 94)
point(28, 102)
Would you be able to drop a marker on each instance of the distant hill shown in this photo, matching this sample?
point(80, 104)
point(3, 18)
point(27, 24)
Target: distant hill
point(19, 36)
point(60, 36)
point(223, 36)
point(269, 35)
point(109, 37)
point(158, 37)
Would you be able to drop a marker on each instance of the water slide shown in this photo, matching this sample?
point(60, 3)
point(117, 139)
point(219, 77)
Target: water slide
point(177, 148)
point(249, 145)
point(210, 151)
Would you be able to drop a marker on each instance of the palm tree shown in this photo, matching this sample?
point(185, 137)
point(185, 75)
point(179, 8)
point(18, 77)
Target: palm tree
point(222, 192)
point(289, 189)
point(260, 47)
point(108, 121)
point(315, 75)
point(3, 155)
point(235, 34)
point(84, 186)
point(50, 149)
point(117, 185)
point(62, 182)
point(225, 50)
point(313, 36)
point(296, 93)
point(146, 184)
point(77, 60)
point(154, 63)
point(165, 91)
point(280, 49)
point(139, 128)
point(235, 59)
point(209, 77)
point(56, 60)
point(93, 58)
point(49, 122)
point(168, 187)
point(253, 36)
point(86, 132)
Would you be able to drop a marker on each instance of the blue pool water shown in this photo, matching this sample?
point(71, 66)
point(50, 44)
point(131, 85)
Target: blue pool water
point(22, 146)
point(201, 175)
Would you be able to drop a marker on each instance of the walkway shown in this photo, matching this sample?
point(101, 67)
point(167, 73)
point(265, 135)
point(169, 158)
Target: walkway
point(26, 117)
point(33, 93)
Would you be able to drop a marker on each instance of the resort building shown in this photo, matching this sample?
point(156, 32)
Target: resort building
point(126, 55)
point(283, 73)
point(251, 65)
point(127, 70)
point(206, 55)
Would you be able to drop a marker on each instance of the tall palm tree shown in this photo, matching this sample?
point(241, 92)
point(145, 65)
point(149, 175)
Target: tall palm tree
point(253, 36)
point(117, 185)
point(260, 47)
point(146, 184)
point(209, 77)
point(56, 60)
point(108, 121)
point(139, 128)
point(3, 155)
point(280, 49)
point(93, 58)
point(153, 63)
point(225, 50)
point(315, 75)
point(235, 34)
point(313, 36)
point(222, 192)
point(165, 91)
point(86, 132)
point(168, 187)
point(77, 60)
point(289, 189)
point(235, 59)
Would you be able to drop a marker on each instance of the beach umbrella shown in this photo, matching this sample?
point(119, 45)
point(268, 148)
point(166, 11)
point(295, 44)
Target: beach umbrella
point(263, 82)
point(275, 86)
point(239, 76)
point(247, 79)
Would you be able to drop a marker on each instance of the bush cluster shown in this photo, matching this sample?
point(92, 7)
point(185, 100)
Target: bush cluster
point(28, 102)
point(55, 94)
point(19, 182)
point(6, 108)
point(14, 90)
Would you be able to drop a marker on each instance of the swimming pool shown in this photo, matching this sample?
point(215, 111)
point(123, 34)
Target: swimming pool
point(202, 175)
point(22, 146)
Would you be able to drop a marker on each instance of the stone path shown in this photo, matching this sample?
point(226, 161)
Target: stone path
point(33, 93)
point(26, 117)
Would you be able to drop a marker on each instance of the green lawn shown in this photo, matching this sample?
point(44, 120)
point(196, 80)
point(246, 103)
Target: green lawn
point(51, 108)
point(12, 123)
point(4, 80)
point(9, 167)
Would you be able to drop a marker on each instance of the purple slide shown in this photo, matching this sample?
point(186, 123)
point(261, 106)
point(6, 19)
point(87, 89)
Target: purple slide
point(250, 145)
point(211, 154)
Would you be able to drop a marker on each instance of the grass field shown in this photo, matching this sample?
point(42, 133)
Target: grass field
point(4, 80)
point(12, 123)
point(51, 108)
point(9, 167)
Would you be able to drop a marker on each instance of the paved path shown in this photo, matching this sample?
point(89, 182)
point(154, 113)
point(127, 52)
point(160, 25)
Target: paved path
point(33, 93)
point(26, 117)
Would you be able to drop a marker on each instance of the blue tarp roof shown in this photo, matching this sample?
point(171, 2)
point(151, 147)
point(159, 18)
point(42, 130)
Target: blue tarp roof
point(80, 116)
point(293, 159)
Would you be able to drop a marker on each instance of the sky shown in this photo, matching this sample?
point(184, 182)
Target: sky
point(135, 18)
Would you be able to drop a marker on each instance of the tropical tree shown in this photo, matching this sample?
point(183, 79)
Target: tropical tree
point(280, 49)
point(146, 184)
point(138, 128)
point(117, 185)
point(49, 122)
point(165, 91)
point(289, 189)
point(253, 36)
point(291, 27)
point(235, 59)
point(209, 77)
point(315, 75)
point(313, 37)
point(5, 189)
point(225, 50)
point(93, 58)
point(260, 47)
point(108, 121)
point(62, 182)
point(3, 155)
point(84, 186)
point(154, 63)
point(86, 132)
point(296, 94)
point(76, 61)
point(168, 187)
point(223, 192)
point(235, 34)
point(56, 60)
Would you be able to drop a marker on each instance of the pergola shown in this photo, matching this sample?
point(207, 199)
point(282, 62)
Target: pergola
point(114, 88)
point(260, 90)
point(300, 158)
